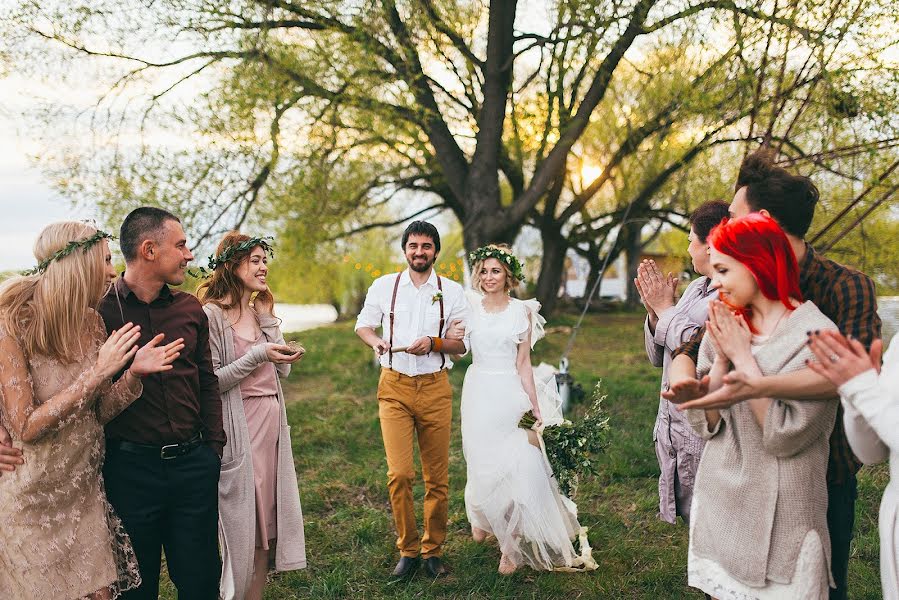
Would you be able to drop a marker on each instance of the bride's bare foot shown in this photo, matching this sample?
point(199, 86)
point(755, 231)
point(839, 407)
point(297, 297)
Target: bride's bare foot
point(506, 566)
point(478, 535)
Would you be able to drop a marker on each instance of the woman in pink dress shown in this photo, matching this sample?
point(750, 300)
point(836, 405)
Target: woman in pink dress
point(259, 502)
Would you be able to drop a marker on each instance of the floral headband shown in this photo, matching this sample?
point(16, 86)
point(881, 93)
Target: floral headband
point(228, 254)
point(84, 245)
point(504, 256)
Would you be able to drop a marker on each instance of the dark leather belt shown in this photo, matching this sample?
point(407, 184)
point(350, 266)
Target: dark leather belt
point(167, 452)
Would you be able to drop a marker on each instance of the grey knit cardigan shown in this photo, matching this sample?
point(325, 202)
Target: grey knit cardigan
point(760, 492)
point(237, 493)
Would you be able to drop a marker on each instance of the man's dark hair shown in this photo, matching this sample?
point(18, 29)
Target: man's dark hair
point(707, 216)
point(421, 228)
point(140, 224)
point(790, 199)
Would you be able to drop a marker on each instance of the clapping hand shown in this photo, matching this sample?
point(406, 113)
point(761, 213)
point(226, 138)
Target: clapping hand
point(730, 333)
point(117, 350)
point(656, 289)
point(686, 390)
point(153, 358)
point(839, 359)
point(737, 387)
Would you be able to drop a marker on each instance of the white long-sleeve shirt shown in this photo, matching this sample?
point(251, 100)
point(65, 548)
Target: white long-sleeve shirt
point(417, 314)
point(871, 417)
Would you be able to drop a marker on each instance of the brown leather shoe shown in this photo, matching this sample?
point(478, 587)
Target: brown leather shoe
point(435, 567)
point(406, 567)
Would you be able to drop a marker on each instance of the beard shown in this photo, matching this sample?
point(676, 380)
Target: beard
point(420, 268)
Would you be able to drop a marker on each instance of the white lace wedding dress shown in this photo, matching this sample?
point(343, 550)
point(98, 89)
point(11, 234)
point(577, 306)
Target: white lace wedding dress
point(510, 491)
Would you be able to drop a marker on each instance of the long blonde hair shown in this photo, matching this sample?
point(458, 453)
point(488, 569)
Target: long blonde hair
point(46, 312)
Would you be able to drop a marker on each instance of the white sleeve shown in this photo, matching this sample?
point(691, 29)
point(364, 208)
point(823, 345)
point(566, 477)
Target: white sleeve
point(371, 314)
point(863, 440)
point(459, 312)
point(876, 398)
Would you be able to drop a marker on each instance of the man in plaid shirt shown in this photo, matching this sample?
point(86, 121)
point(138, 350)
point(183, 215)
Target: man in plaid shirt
point(845, 295)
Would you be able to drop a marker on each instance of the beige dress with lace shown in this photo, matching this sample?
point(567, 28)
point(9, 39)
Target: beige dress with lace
point(60, 537)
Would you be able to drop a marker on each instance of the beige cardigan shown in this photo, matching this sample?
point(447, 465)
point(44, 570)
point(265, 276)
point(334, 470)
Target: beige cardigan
point(759, 493)
point(237, 496)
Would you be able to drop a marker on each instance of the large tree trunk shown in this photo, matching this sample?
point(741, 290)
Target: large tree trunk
point(552, 268)
point(630, 243)
point(480, 231)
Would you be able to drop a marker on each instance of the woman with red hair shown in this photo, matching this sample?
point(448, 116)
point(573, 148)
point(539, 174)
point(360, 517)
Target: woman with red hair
point(759, 527)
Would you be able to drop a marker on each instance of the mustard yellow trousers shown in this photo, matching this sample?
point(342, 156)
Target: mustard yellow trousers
point(422, 407)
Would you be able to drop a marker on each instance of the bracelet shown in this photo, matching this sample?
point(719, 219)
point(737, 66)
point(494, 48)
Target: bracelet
point(128, 371)
point(431, 349)
point(437, 344)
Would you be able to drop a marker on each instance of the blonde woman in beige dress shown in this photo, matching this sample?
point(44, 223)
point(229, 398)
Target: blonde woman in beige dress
point(260, 517)
point(60, 538)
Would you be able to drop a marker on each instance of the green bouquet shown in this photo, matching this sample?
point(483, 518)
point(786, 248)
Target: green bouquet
point(573, 447)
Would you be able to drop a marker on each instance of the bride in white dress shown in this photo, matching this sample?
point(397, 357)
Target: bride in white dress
point(510, 492)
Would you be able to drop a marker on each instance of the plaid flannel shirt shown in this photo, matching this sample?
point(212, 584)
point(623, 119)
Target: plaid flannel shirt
point(848, 299)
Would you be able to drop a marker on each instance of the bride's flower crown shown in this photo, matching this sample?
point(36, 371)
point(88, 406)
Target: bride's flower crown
point(500, 254)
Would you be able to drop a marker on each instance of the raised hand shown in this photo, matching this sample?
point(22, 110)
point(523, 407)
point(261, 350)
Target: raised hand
point(117, 350)
point(656, 289)
point(9, 456)
point(262, 307)
point(839, 359)
point(653, 317)
point(153, 358)
point(730, 333)
point(283, 353)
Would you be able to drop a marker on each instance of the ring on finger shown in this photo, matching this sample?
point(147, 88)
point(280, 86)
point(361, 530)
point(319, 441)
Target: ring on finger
point(833, 358)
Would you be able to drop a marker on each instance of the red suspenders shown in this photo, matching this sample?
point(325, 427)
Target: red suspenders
point(396, 287)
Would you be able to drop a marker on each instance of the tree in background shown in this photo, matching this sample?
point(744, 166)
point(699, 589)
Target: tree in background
point(330, 118)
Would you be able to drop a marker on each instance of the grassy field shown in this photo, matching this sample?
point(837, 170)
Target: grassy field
point(349, 530)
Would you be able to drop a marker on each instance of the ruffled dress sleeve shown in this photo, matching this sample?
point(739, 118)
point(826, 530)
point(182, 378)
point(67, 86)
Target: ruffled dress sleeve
point(529, 318)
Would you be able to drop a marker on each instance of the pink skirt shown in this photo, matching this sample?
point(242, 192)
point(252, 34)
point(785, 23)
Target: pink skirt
point(264, 424)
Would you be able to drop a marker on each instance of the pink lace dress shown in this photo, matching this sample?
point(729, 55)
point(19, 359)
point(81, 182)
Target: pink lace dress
point(60, 537)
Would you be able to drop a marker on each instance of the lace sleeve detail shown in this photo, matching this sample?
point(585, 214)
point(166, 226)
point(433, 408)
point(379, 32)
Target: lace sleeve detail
point(24, 417)
point(116, 397)
point(113, 398)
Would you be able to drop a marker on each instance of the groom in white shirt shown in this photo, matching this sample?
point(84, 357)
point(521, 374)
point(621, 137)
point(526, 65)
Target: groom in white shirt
point(421, 316)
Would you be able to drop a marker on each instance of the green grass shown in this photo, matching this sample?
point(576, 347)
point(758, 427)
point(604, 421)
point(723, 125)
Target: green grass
point(349, 531)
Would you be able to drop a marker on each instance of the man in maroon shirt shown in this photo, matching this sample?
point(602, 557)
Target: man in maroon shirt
point(163, 452)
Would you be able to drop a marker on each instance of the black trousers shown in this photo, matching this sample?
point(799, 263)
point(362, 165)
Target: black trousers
point(840, 523)
point(169, 505)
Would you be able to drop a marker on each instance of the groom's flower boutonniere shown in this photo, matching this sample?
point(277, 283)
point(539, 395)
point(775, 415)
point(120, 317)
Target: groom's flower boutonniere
point(437, 297)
